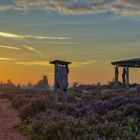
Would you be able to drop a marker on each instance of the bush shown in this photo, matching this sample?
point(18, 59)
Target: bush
point(33, 107)
point(21, 100)
point(97, 115)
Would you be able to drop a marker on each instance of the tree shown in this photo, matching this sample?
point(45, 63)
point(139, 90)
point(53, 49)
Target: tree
point(75, 84)
point(10, 84)
point(42, 84)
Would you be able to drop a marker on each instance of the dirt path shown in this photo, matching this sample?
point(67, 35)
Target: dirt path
point(8, 120)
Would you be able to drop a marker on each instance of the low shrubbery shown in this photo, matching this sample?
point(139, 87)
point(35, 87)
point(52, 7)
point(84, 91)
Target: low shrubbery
point(92, 115)
point(32, 108)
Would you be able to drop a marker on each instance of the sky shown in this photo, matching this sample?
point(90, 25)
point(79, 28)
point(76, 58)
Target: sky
point(89, 33)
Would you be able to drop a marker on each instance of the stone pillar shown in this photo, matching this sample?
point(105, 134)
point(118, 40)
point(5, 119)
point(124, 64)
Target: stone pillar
point(55, 84)
point(60, 78)
point(124, 77)
point(65, 97)
point(116, 76)
point(127, 77)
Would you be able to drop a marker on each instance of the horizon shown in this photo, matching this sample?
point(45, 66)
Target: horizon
point(90, 34)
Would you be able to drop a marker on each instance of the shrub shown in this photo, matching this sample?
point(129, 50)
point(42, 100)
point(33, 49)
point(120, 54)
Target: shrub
point(108, 130)
point(21, 100)
point(33, 107)
point(97, 115)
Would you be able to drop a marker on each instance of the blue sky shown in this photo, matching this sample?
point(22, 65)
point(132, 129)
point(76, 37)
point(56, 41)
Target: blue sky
point(90, 33)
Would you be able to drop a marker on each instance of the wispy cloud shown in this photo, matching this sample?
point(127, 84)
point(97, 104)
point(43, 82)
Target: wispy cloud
point(10, 47)
point(4, 8)
point(17, 36)
point(53, 42)
point(11, 35)
point(89, 62)
point(31, 49)
point(75, 7)
point(10, 7)
point(31, 63)
point(47, 37)
point(46, 63)
point(6, 59)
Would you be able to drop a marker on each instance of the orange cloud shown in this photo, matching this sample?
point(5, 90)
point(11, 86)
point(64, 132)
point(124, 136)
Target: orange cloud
point(10, 47)
point(17, 36)
point(31, 49)
point(6, 59)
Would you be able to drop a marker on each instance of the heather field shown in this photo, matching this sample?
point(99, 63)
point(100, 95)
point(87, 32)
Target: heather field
point(85, 51)
point(92, 113)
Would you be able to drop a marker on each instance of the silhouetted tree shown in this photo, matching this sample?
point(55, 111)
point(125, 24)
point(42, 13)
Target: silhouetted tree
point(42, 84)
point(10, 84)
point(75, 84)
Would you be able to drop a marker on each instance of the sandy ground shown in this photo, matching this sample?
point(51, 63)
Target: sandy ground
point(8, 120)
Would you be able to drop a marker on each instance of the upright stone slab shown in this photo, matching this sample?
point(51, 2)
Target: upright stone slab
point(127, 77)
point(116, 76)
point(127, 64)
point(61, 72)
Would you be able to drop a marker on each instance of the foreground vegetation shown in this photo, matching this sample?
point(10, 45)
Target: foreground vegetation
point(92, 113)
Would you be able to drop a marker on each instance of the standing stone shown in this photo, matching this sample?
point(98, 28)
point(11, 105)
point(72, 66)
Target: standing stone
point(61, 72)
point(116, 76)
